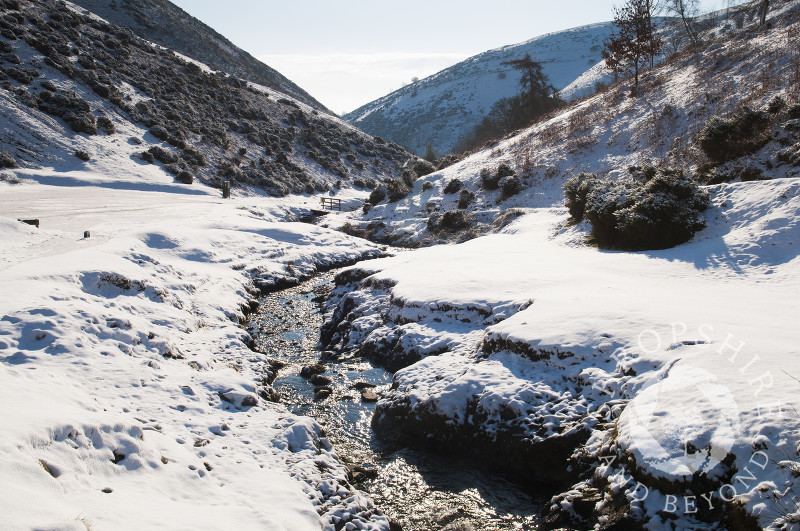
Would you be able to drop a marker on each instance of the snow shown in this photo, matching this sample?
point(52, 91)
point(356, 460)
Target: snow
point(129, 396)
point(707, 328)
point(440, 109)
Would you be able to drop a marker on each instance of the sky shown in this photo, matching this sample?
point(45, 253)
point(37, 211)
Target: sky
point(347, 53)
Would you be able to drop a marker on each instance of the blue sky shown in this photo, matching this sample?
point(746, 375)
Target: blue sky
point(346, 53)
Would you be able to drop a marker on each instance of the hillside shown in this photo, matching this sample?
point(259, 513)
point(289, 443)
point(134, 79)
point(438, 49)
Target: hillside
point(70, 80)
point(442, 108)
point(635, 381)
point(166, 24)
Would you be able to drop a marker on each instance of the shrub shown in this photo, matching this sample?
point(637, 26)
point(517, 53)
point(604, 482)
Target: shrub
point(427, 185)
point(790, 155)
point(723, 140)
point(423, 167)
point(504, 170)
point(648, 209)
point(465, 198)
point(377, 195)
point(106, 125)
point(453, 186)
point(511, 185)
point(6, 160)
point(148, 157)
point(454, 220)
point(185, 177)
point(160, 132)
point(396, 189)
point(776, 105)
point(83, 155)
point(447, 160)
point(163, 155)
point(575, 191)
point(793, 112)
point(489, 180)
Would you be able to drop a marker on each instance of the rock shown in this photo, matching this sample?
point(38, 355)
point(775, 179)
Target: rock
point(320, 381)
point(369, 396)
point(322, 393)
point(310, 370)
point(362, 385)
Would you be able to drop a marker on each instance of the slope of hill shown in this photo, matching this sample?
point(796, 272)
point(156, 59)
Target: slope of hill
point(81, 78)
point(166, 24)
point(442, 108)
point(637, 382)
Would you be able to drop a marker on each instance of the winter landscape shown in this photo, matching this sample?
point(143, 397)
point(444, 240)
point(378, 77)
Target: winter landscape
point(554, 286)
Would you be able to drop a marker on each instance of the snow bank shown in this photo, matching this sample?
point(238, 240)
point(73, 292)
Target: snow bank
point(542, 337)
point(129, 395)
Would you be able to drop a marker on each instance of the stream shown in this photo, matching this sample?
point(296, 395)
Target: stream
point(418, 490)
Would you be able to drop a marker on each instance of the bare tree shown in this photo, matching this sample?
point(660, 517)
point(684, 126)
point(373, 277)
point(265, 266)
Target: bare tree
point(763, 9)
point(634, 42)
point(687, 10)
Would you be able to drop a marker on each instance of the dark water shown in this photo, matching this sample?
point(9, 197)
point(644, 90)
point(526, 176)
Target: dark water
point(419, 490)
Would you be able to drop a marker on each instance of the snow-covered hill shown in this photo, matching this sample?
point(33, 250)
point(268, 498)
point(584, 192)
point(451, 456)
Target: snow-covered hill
point(163, 22)
point(80, 78)
point(647, 375)
point(442, 108)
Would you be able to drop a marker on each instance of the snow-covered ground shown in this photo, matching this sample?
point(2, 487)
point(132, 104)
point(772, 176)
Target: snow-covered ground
point(128, 395)
point(530, 326)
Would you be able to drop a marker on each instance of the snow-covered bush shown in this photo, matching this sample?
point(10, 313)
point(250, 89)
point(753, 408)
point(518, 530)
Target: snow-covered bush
point(576, 189)
point(491, 181)
point(465, 198)
point(454, 220)
point(648, 209)
point(511, 185)
point(396, 189)
point(453, 186)
point(377, 195)
point(728, 139)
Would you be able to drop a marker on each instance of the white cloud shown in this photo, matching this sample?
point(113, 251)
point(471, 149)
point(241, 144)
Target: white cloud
point(345, 81)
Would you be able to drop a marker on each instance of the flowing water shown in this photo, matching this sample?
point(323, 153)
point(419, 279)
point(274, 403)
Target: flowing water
point(419, 490)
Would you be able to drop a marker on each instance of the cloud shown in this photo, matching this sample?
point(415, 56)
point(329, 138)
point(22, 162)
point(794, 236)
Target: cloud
point(344, 81)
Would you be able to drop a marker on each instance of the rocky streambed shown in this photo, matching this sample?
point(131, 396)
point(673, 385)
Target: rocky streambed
point(416, 489)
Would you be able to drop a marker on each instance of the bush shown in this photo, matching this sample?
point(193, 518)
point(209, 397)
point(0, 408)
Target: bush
point(396, 189)
point(504, 170)
point(575, 191)
point(83, 155)
point(453, 186)
point(106, 125)
point(511, 185)
point(489, 180)
point(6, 160)
point(793, 112)
point(427, 185)
point(723, 140)
point(377, 195)
point(454, 220)
point(465, 198)
point(423, 167)
point(148, 157)
point(160, 132)
point(185, 177)
point(649, 209)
